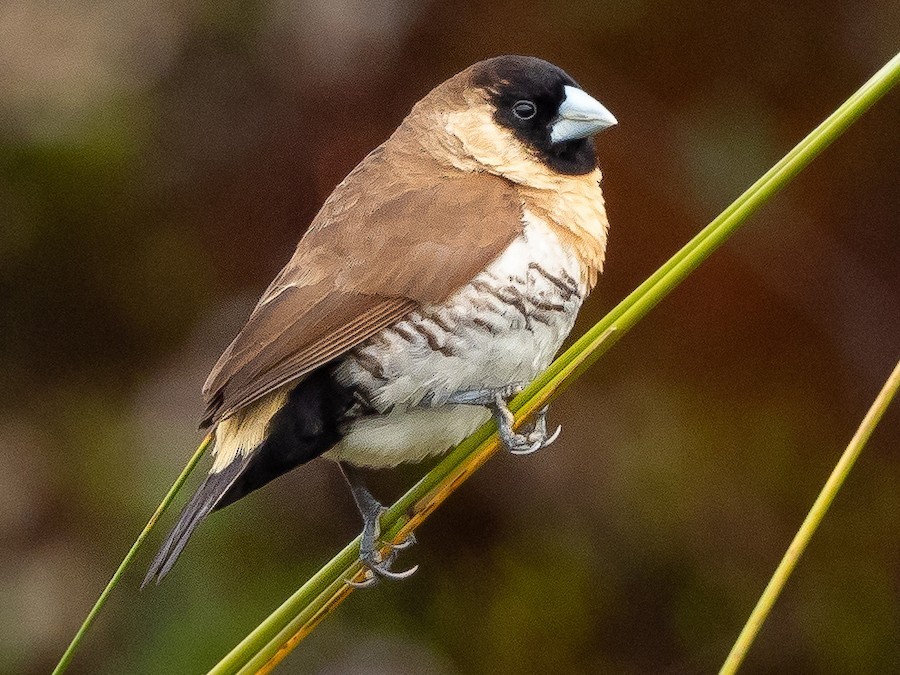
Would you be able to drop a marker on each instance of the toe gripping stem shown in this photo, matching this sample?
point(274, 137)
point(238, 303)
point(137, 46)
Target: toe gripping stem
point(495, 400)
point(377, 567)
point(522, 444)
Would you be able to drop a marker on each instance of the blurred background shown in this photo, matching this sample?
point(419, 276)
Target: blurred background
point(158, 162)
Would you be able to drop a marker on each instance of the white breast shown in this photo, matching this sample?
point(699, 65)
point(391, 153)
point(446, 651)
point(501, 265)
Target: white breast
point(502, 328)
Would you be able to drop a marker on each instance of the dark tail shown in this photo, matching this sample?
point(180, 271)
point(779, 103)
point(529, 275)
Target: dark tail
point(204, 500)
point(307, 426)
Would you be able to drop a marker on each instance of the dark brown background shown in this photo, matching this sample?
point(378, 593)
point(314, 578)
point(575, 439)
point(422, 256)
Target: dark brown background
point(159, 161)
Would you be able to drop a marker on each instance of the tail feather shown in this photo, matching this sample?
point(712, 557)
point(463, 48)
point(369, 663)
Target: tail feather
point(306, 425)
point(195, 511)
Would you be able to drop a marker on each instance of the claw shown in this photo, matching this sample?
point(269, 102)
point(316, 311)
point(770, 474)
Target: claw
point(541, 441)
point(381, 567)
point(539, 431)
point(521, 444)
point(534, 447)
point(376, 569)
point(385, 573)
point(410, 540)
point(553, 436)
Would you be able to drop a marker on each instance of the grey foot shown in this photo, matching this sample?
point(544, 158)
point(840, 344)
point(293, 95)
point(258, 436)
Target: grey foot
point(522, 444)
point(495, 399)
point(377, 567)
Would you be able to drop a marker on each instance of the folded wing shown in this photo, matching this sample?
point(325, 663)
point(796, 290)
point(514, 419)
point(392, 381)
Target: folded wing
point(392, 236)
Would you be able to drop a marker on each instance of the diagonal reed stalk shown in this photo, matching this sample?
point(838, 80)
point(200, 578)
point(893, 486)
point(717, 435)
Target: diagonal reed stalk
point(278, 634)
point(126, 561)
point(810, 524)
point(288, 625)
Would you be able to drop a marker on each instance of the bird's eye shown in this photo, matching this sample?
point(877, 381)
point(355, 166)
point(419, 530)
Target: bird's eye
point(524, 110)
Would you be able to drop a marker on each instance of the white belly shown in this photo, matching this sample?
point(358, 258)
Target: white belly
point(503, 328)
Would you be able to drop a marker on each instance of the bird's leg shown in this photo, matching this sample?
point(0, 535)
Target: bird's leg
point(495, 399)
point(369, 554)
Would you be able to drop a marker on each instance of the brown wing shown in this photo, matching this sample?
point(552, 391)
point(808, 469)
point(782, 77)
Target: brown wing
point(393, 235)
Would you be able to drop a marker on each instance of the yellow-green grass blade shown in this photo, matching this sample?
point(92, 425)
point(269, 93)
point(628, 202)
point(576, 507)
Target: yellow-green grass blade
point(810, 524)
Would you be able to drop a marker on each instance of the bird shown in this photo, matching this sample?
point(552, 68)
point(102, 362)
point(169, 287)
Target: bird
point(438, 279)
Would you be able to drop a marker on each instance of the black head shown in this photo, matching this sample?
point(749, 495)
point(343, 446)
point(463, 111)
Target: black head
point(527, 94)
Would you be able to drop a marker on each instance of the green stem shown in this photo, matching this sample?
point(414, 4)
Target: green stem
point(319, 593)
point(810, 524)
point(126, 561)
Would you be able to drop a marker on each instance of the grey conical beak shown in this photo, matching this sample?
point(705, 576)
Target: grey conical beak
point(580, 116)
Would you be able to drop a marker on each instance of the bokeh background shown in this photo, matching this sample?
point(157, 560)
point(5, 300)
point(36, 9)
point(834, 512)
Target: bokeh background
point(159, 160)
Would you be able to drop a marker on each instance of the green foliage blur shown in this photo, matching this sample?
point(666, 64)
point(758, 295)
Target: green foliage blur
point(158, 162)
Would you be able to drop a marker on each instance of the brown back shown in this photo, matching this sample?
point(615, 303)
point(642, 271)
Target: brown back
point(399, 231)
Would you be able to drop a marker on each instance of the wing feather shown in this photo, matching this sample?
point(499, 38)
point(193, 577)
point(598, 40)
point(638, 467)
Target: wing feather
point(397, 233)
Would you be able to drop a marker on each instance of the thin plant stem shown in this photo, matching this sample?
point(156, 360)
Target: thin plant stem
point(810, 524)
point(126, 561)
point(282, 630)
